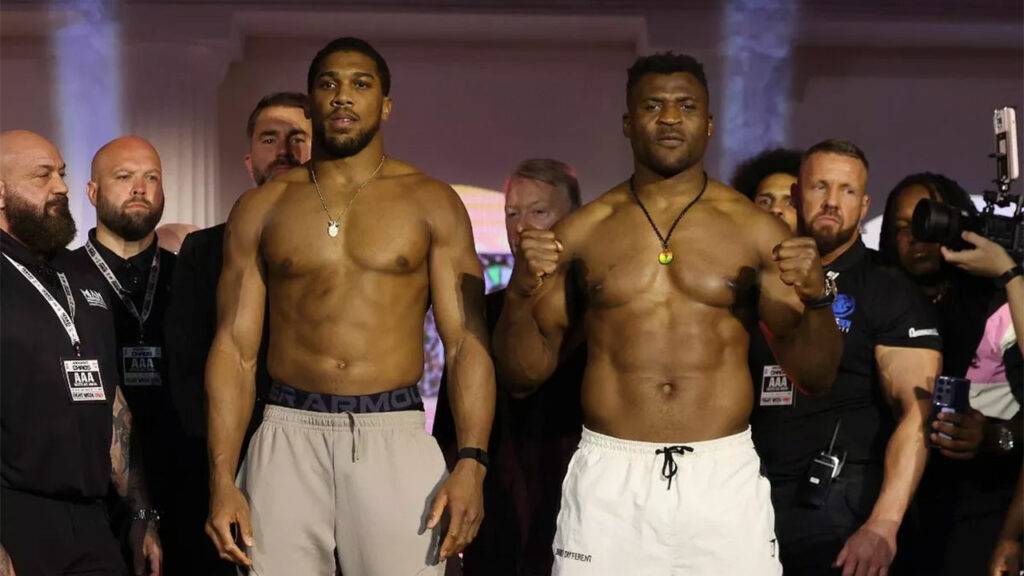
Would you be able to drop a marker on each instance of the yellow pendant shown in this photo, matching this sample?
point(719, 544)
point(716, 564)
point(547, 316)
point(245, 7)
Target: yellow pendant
point(665, 257)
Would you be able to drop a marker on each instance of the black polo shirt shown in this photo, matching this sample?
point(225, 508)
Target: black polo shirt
point(876, 306)
point(149, 398)
point(51, 445)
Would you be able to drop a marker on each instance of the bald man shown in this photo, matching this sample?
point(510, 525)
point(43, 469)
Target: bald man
point(65, 427)
point(126, 187)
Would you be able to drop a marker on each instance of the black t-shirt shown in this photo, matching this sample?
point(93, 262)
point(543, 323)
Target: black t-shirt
point(141, 355)
point(51, 445)
point(875, 306)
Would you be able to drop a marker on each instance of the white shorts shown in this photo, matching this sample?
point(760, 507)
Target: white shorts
point(620, 516)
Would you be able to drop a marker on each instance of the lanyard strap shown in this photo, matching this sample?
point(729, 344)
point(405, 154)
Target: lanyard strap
point(66, 319)
point(147, 302)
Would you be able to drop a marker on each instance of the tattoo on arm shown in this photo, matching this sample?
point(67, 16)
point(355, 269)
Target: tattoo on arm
point(125, 457)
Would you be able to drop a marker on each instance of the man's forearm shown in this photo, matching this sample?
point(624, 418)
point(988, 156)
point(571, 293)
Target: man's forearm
point(523, 355)
point(905, 457)
point(810, 355)
point(127, 471)
point(472, 393)
point(230, 390)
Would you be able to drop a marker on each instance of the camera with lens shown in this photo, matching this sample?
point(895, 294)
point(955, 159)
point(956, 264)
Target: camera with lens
point(937, 222)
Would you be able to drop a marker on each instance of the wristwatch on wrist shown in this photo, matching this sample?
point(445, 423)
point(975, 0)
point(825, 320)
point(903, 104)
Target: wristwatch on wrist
point(146, 514)
point(1004, 438)
point(1003, 279)
point(475, 454)
point(828, 297)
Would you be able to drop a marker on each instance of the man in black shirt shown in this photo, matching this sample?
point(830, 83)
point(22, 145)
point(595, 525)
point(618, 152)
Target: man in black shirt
point(878, 402)
point(64, 423)
point(126, 187)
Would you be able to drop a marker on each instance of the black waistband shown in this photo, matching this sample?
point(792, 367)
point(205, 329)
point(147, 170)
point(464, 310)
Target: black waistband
point(407, 398)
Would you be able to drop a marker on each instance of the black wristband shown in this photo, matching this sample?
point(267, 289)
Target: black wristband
point(1003, 279)
point(476, 454)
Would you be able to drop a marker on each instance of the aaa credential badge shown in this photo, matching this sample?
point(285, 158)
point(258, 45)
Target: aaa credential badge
point(776, 388)
point(141, 365)
point(84, 381)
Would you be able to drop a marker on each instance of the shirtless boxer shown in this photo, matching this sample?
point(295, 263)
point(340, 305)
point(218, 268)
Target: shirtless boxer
point(349, 250)
point(665, 274)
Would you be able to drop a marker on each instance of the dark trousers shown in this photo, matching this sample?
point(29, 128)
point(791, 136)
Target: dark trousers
point(48, 537)
point(811, 538)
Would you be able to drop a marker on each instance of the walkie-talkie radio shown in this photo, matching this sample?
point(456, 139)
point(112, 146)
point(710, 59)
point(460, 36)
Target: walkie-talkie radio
point(823, 469)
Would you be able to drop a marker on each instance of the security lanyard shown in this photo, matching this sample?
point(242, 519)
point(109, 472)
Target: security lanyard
point(66, 317)
point(147, 302)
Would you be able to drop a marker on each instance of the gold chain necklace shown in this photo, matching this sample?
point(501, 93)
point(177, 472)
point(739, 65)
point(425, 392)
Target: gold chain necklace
point(665, 257)
point(332, 223)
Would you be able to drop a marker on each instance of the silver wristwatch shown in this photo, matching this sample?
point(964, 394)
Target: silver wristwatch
point(146, 514)
point(1005, 440)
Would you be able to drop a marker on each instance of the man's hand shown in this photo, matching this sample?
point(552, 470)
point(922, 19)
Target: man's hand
point(987, 259)
point(536, 257)
point(146, 548)
point(800, 267)
point(6, 566)
point(1006, 558)
point(870, 550)
point(228, 506)
point(463, 494)
point(965, 432)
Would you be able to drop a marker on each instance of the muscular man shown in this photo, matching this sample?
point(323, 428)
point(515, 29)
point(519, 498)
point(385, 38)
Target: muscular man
point(768, 180)
point(348, 251)
point(664, 273)
point(66, 429)
point(278, 131)
point(532, 438)
point(876, 408)
point(126, 187)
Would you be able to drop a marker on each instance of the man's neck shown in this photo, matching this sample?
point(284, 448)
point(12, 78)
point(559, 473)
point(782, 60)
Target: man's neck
point(349, 170)
point(123, 248)
point(827, 259)
point(644, 177)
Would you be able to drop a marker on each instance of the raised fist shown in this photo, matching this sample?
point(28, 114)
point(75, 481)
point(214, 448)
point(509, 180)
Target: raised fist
point(800, 267)
point(536, 258)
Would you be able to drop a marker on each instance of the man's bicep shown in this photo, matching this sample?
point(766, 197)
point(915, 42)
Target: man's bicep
point(456, 278)
point(906, 375)
point(241, 290)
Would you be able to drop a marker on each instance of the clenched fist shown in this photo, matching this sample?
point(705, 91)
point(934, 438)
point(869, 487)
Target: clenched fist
point(800, 267)
point(536, 258)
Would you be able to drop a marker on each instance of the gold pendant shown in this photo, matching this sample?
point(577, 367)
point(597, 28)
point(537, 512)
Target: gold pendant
point(665, 257)
point(332, 228)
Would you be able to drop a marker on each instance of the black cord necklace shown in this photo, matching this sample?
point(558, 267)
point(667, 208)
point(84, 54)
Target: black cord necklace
point(665, 257)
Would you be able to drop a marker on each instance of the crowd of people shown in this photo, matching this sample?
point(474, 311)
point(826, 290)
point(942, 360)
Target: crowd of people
point(682, 376)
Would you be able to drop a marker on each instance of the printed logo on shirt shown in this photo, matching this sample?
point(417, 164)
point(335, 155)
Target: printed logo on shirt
point(842, 310)
point(94, 298)
point(776, 388)
point(915, 333)
point(560, 553)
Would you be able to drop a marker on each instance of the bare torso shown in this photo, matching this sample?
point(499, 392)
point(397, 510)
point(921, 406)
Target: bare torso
point(346, 313)
point(667, 345)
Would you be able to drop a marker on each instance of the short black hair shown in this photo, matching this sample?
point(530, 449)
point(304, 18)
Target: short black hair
point(664, 63)
point(939, 187)
point(282, 99)
point(350, 44)
point(774, 161)
point(552, 172)
point(837, 146)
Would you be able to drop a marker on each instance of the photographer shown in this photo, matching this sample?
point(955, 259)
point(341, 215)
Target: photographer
point(964, 495)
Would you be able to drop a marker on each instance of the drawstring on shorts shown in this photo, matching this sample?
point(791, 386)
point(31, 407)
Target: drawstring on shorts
point(669, 467)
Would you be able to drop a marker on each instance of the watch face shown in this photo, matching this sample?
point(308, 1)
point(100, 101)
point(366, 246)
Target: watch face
point(1005, 439)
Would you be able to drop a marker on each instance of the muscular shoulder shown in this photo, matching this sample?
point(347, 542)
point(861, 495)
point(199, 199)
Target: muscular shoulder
point(760, 228)
point(440, 205)
point(575, 228)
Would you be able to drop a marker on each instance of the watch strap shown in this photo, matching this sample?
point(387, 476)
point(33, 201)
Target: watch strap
point(477, 454)
point(1003, 279)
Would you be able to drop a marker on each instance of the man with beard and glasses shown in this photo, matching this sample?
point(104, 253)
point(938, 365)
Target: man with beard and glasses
point(65, 428)
point(665, 274)
point(126, 187)
point(876, 409)
point(278, 131)
point(348, 252)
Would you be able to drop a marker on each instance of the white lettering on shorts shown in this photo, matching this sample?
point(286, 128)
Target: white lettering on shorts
point(915, 333)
